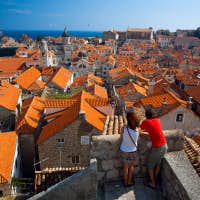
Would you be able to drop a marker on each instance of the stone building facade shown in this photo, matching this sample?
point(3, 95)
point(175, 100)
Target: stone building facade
point(181, 117)
point(139, 33)
point(69, 147)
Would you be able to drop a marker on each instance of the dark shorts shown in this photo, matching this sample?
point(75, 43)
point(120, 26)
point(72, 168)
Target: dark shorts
point(128, 157)
point(156, 156)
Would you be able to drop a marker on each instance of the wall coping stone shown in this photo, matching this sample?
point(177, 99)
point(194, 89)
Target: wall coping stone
point(184, 172)
point(68, 181)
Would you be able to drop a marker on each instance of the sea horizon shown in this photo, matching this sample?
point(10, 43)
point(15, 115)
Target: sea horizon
point(16, 34)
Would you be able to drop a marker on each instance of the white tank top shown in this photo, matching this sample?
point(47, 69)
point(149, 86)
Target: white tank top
point(127, 144)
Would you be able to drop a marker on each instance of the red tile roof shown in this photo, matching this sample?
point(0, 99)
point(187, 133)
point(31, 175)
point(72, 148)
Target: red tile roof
point(83, 101)
point(7, 151)
point(47, 71)
point(156, 100)
point(61, 121)
point(130, 89)
point(10, 66)
point(61, 77)
point(29, 79)
point(31, 111)
point(121, 72)
point(98, 91)
point(194, 93)
point(86, 79)
point(9, 95)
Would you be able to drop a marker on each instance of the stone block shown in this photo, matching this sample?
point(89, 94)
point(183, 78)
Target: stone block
point(100, 175)
point(112, 174)
point(107, 164)
point(117, 163)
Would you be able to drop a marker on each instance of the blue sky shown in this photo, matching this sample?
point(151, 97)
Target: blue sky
point(99, 14)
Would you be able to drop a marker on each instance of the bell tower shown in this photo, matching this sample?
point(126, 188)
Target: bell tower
point(44, 53)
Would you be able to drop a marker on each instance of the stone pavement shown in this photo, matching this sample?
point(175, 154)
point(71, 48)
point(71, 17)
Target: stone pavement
point(116, 190)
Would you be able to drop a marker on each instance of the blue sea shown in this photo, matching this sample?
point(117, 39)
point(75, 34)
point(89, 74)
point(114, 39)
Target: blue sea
point(34, 33)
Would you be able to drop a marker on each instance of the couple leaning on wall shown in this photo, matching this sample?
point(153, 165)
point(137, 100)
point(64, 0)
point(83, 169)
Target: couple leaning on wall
point(128, 148)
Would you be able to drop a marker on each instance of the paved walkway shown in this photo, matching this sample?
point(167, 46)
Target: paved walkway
point(139, 191)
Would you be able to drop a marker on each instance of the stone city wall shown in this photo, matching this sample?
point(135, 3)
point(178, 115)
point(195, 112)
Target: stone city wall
point(179, 179)
point(106, 150)
point(82, 185)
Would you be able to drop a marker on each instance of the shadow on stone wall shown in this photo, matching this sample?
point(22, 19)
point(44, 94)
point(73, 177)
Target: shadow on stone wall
point(82, 185)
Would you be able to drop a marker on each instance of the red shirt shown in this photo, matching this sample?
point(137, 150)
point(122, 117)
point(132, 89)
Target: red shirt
point(154, 128)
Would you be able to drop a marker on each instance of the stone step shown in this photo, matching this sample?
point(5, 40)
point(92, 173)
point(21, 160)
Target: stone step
point(116, 190)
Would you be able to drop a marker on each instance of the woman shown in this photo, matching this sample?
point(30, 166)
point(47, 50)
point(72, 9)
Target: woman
point(128, 147)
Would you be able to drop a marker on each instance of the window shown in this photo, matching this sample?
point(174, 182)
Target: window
point(85, 140)
point(75, 160)
point(179, 117)
point(60, 141)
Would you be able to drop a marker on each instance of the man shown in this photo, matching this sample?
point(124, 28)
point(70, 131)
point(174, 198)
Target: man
point(159, 145)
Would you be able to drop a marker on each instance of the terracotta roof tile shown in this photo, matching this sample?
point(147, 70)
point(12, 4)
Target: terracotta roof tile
point(192, 150)
point(10, 65)
point(92, 115)
point(47, 71)
point(28, 78)
point(58, 103)
point(7, 151)
point(113, 125)
point(67, 117)
point(30, 115)
point(156, 100)
point(130, 89)
point(61, 77)
point(194, 93)
point(9, 95)
point(197, 139)
point(87, 79)
point(82, 101)
point(99, 91)
point(37, 85)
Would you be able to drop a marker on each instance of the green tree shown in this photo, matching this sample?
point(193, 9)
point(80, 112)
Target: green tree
point(39, 38)
point(197, 32)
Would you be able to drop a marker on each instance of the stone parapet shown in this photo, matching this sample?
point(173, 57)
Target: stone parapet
point(179, 179)
point(82, 185)
point(106, 150)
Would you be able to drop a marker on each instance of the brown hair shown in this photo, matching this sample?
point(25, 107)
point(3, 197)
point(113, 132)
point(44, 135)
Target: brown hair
point(150, 113)
point(133, 120)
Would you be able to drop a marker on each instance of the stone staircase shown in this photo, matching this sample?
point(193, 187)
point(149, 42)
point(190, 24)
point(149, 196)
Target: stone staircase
point(116, 190)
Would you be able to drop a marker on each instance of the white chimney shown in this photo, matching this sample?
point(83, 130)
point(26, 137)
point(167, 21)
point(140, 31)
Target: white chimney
point(151, 84)
point(189, 103)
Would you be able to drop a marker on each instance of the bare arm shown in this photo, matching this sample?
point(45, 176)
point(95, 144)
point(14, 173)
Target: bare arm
point(121, 132)
point(143, 133)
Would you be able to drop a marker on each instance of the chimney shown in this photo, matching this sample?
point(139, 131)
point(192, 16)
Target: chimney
point(82, 113)
point(164, 105)
point(165, 86)
point(151, 84)
point(189, 103)
point(130, 80)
